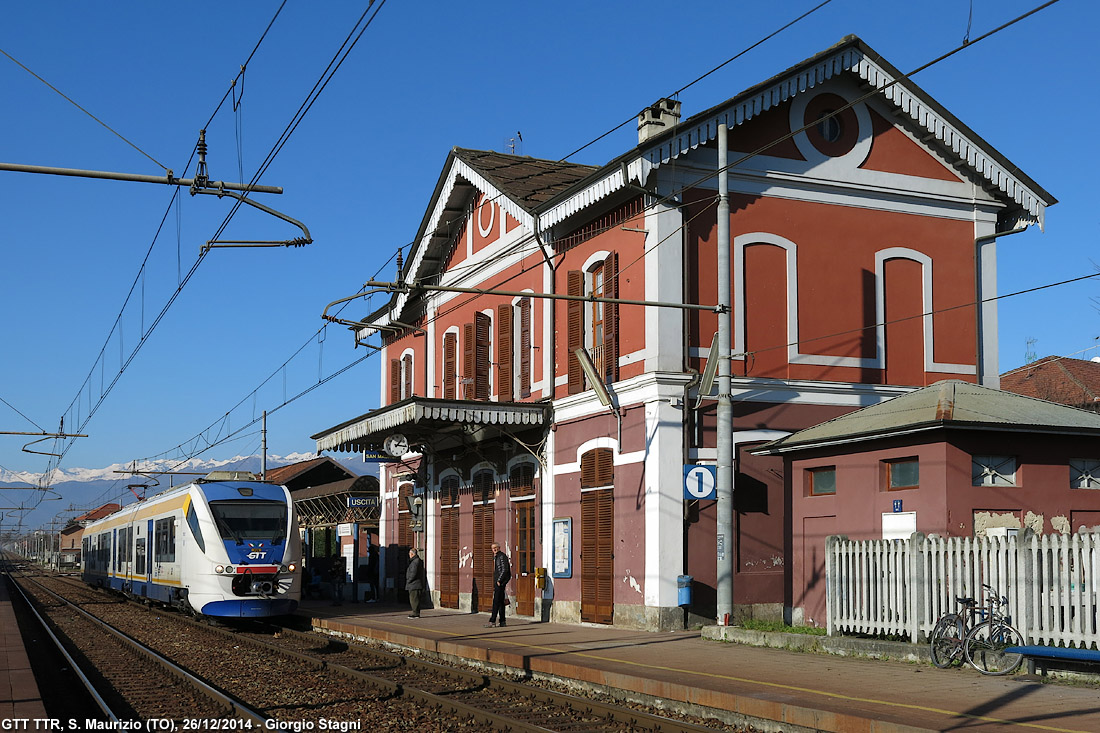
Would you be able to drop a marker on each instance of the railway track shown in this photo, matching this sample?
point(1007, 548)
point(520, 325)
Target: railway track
point(127, 681)
point(316, 682)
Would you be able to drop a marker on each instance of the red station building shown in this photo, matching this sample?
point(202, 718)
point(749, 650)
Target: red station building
point(860, 241)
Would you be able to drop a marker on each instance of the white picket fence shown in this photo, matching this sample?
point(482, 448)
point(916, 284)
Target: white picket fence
point(901, 587)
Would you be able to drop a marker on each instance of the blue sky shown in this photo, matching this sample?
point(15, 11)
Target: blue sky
point(359, 169)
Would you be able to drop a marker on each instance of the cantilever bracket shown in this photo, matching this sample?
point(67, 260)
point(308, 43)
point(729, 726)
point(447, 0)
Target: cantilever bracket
point(220, 191)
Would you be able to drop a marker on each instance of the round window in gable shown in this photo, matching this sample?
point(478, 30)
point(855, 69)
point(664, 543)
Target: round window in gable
point(831, 132)
point(828, 126)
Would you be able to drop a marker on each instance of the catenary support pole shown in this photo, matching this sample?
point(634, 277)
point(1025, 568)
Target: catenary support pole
point(725, 540)
point(263, 447)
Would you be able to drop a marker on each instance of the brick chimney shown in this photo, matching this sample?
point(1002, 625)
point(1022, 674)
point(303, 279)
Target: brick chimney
point(657, 118)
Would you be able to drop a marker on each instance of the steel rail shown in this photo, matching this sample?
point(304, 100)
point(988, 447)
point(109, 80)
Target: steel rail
point(478, 680)
point(388, 687)
point(103, 705)
point(227, 702)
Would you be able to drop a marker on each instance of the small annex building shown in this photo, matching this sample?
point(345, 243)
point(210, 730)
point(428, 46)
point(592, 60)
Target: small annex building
point(954, 459)
point(542, 350)
point(73, 532)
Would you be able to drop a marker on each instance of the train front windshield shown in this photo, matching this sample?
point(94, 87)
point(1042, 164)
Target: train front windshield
point(250, 520)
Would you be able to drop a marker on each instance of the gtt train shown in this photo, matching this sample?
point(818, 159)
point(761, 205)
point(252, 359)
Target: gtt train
point(223, 546)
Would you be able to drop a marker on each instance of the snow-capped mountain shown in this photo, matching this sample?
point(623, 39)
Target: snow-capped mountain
point(117, 470)
point(74, 491)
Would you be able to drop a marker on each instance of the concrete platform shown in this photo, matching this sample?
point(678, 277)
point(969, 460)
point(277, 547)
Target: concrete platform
point(792, 690)
point(19, 695)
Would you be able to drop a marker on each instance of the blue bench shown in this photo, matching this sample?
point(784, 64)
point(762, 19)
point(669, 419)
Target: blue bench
point(1043, 654)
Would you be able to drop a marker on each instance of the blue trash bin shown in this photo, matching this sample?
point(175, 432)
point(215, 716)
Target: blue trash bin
point(683, 590)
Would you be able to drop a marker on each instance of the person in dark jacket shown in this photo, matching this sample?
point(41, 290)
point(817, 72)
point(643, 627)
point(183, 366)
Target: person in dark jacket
point(370, 575)
point(414, 582)
point(502, 573)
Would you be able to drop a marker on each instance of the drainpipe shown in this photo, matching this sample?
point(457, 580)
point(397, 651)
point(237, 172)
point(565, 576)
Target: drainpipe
point(979, 242)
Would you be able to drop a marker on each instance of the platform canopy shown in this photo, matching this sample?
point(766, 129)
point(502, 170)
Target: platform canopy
point(434, 425)
point(350, 500)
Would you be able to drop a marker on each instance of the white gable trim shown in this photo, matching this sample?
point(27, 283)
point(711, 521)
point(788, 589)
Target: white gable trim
point(853, 60)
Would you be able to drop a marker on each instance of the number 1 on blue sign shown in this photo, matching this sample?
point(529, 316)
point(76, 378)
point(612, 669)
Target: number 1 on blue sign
point(700, 482)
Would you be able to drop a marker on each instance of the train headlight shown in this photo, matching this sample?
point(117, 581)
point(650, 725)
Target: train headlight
point(229, 569)
point(292, 567)
point(218, 569)
point(284, 569)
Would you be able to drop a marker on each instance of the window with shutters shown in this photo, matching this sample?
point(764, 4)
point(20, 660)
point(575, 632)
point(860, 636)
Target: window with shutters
point(505, 355)
point(521, 480)
point(450, 365)
point(593, 325)
point(475, 358)
point(404, 517)
point(524, 312)
point(395, 380)
point(407, 375)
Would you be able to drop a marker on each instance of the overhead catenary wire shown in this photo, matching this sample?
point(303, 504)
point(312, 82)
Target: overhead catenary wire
point(75, 104)
point(124, 363)
point(919, 69)
point(698, 79)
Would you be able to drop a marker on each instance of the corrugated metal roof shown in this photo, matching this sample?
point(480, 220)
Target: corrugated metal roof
point(947, 404)
point(372, 428)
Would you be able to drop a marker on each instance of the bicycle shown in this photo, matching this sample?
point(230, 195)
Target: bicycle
point(986, 643)
point(948, 638)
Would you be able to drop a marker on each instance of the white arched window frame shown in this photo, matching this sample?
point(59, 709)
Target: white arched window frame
point(456, 333)
point(492, 352)
point(407, 363)
point(794, 354)
point(594, 261)
point(904, 253)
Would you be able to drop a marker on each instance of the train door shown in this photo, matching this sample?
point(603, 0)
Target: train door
point(141, 563)
point(112, 561)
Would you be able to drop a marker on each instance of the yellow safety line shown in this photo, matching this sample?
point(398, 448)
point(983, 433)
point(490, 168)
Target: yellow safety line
point(778, 685)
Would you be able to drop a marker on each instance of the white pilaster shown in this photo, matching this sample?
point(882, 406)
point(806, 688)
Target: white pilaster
point(664, 281)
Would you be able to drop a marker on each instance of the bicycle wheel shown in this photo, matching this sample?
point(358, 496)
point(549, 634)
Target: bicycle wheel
point(947, 640)
point(985, 648)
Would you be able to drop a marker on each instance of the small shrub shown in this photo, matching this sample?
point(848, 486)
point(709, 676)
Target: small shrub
point(760, 625)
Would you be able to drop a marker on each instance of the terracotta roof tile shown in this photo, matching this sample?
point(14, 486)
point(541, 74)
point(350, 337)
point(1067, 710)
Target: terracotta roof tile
point(1067, 381)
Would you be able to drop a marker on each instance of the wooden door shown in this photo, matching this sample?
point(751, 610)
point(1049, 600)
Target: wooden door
point(448, 543)
point(483, 540)
point(597, 557)
point(523, 558)
point(448, 557)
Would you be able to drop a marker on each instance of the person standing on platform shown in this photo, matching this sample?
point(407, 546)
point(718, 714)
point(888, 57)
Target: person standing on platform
point(414, 582)
point(502, 573)
point(372, 574)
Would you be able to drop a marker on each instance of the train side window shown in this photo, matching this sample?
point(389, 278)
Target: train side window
point(139, 562)
point(164, 540)
point(124, 546)
point(193, 523)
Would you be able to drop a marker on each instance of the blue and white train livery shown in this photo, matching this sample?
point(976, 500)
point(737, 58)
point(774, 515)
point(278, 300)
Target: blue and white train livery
point(226, 546)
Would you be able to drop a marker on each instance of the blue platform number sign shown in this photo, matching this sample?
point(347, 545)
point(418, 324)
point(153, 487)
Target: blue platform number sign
point(897, 505)
point(700, 482)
